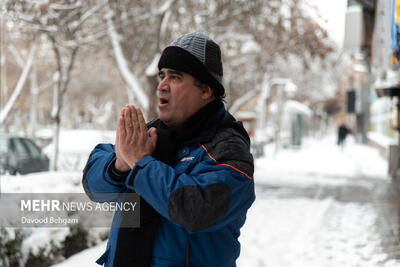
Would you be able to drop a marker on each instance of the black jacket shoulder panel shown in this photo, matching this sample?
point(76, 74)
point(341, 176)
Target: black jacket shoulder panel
point(228, 147)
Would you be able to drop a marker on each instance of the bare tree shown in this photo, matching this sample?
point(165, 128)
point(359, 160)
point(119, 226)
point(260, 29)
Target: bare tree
point(38, 82)
point(62, 22)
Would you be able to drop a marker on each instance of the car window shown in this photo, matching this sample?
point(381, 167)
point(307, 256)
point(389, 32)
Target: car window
point(33, 149)
point(19, 147)
point(3, 146)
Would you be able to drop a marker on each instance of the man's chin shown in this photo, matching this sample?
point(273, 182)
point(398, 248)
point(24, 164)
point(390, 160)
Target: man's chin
point(164, 118)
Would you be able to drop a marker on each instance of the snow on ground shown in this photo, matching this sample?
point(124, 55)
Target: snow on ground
point(310, 232)
point(320, 159)
point(82, 140)
point(43, 182)
point(302, 232)
point(42, 238)
point(75, 147)
point(86, 258)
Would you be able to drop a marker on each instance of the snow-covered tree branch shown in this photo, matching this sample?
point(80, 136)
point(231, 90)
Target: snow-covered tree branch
point(129, 78)
point(20, 85)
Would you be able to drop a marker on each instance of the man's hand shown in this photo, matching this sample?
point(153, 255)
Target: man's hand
point(133, 141)
point(120, 164)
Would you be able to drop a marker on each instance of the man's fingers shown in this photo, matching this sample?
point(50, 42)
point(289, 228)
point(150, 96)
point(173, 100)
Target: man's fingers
point(121, 125)
point(152, 132)
point(134, 118)
point(142, 123)
point(153, 136)
point(128, 121)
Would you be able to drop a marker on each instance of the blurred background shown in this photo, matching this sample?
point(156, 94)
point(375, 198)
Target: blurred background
point(316, 84)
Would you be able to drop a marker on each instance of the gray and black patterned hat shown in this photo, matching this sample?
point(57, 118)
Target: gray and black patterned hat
point(198, 55)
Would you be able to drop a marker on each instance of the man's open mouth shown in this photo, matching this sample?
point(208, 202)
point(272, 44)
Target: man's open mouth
point(162, 101)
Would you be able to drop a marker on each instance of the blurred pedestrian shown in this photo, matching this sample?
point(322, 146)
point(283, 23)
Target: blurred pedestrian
point(343, 131)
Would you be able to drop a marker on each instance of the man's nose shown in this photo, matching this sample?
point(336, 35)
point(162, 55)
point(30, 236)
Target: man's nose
point(163, 85)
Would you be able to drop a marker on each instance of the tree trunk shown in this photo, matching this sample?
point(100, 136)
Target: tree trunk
point(35, 106)
point(153, 99)
point(63, 78)
point(3, 77)
point(56, 136)
point(55, 115)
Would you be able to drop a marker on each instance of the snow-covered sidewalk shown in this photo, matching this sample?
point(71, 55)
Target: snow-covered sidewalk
point(316, 230)
point(320, 159)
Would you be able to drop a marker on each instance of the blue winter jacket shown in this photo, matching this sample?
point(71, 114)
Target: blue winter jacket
point(202, 199)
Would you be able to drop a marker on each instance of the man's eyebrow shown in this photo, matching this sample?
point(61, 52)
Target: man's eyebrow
point(175, 72)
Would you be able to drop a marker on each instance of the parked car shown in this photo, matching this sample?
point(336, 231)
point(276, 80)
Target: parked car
point(21, 155)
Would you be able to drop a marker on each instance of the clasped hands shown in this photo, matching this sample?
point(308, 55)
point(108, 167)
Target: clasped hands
point(133, 141)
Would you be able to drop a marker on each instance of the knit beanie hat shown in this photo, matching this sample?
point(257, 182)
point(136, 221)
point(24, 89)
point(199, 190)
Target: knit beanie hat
point(197, 55)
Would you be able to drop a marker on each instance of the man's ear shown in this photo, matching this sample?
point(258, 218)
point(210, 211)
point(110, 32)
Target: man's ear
point(207, 92)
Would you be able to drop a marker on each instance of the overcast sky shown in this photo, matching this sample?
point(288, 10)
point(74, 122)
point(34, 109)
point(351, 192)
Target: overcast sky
point(332, 17)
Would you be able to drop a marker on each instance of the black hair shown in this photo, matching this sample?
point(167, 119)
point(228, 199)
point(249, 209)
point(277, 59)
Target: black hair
point(200, 84)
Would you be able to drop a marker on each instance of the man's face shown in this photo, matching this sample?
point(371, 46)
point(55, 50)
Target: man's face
point(178, 97)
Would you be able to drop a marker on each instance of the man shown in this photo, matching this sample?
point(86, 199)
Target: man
point(192, 168)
